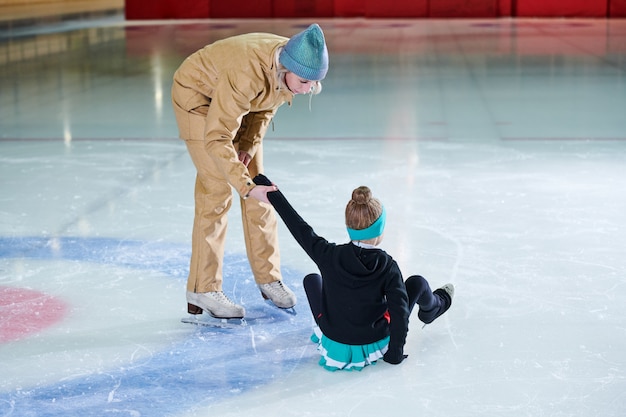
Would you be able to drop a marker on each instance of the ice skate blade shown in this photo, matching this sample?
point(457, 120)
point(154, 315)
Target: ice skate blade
point(219, 323)
point(288, 310)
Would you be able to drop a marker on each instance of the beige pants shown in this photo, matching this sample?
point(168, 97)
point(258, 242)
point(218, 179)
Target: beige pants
point(213, 199)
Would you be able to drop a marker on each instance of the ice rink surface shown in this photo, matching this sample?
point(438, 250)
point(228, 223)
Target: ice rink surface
point(497, 146)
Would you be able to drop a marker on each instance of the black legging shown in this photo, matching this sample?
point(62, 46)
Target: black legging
point(417, 288)
point(313, 289)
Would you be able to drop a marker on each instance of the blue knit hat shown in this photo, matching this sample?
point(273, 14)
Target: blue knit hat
point(305, 54)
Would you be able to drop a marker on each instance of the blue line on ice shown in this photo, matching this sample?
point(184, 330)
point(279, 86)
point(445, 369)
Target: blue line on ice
point(206, 366)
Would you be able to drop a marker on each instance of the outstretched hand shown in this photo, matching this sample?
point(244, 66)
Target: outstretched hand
point(263, 186)
point(260, 192)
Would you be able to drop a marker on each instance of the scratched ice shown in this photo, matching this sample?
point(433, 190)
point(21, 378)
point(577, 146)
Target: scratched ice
point(497, 147)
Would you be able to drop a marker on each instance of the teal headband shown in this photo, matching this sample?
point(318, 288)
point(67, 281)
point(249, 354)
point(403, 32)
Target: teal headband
point(375, 230)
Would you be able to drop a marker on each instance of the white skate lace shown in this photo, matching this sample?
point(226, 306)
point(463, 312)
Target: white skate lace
point(276, 288)
point(220, 297)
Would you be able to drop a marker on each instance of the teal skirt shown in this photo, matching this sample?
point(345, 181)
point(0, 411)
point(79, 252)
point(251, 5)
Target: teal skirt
point(338, 356)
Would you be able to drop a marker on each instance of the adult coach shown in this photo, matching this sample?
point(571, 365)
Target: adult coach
point(224, 97)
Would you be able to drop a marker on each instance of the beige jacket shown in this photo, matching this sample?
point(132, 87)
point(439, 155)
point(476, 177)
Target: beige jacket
point(227, 94)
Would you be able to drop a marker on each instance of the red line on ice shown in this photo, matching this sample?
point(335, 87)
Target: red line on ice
point(24, 312)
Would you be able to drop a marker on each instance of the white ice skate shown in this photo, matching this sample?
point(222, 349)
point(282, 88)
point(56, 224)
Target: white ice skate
point(216, 303)
point(278, 294)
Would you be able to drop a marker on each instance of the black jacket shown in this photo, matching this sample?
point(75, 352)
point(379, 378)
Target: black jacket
point(359, 286)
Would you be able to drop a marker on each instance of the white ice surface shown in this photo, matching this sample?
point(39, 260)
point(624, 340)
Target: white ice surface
point(501, 172)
